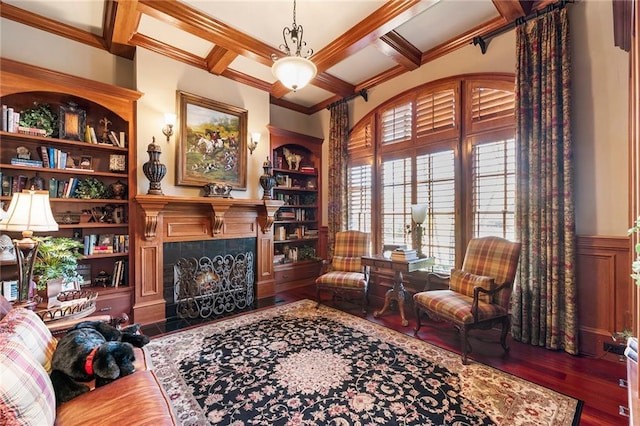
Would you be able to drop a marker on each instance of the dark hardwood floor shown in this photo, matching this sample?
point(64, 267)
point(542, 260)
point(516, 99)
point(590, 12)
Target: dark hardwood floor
point(593, 381)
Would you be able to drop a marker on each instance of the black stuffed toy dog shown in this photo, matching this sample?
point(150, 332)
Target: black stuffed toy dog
point(93, 350)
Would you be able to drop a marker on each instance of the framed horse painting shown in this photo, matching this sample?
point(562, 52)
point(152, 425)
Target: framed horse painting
point(212, 143)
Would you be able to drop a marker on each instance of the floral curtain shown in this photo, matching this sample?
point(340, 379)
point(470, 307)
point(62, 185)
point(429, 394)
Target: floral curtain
point(338, 137)
point(544, 301)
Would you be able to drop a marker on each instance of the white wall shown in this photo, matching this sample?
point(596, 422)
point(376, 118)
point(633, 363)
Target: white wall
point(159, 78)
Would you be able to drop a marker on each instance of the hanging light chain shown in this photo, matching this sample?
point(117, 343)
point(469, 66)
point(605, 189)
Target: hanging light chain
point(294, 35)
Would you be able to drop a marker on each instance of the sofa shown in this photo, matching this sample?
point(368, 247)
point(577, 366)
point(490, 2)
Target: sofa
point(26, 392)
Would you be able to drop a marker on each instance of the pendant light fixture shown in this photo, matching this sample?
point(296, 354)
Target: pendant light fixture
point(294, 70)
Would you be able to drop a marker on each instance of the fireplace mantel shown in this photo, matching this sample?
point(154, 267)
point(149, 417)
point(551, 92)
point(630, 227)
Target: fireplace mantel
point(159, 219)
point(153, 205)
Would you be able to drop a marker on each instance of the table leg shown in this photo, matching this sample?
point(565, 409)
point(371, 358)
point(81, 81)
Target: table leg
point(396, 293)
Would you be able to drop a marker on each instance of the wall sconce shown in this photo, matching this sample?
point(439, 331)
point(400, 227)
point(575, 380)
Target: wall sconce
point(419, 215)
point(170, 121)
point(253, 143)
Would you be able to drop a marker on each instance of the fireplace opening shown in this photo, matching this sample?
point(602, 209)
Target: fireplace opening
point(209, 279)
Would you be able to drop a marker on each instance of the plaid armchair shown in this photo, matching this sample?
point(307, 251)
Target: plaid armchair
point(478, 294)
point(345, 273)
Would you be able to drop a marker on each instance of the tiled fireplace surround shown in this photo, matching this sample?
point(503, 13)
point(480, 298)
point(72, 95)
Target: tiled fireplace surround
point(169, 219)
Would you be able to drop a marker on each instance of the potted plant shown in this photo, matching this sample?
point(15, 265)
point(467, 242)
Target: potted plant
point(56, 264)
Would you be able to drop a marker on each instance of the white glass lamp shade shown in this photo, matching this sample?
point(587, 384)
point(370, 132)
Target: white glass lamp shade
point(29, 211)
point(419, 213)
point(255, 137)
point(170, 119)
point(294, 72)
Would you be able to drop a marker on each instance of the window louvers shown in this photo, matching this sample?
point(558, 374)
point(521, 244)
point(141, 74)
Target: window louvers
point(435, 112)
point(359, 188)
point(489, 104)
point(494, 189)
point(396, 124)
point(396, 200)
point(435, 187)
point(360, 139)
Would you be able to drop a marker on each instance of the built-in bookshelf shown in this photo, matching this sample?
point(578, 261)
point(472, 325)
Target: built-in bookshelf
point(83, 159)
point(296, 160)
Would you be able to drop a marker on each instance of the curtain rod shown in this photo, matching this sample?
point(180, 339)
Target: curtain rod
point(483, 40)
point(362, 93)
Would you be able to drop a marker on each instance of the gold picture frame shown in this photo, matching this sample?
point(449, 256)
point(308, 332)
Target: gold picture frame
point(212, 143)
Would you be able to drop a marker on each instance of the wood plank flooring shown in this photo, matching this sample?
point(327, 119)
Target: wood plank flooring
point(594, 381)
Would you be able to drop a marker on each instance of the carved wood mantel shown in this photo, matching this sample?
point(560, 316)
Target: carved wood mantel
point(160, 219)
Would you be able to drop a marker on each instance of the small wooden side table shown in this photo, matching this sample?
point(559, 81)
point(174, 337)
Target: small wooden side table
point(397, 292)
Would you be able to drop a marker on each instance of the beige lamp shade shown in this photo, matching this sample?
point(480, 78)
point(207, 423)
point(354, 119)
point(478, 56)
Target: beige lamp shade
point(29, 211)
point(294, 72)
point(419, 213)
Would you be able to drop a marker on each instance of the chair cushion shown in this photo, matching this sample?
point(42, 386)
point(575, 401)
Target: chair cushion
point(464, 282)
point(24, 326)
point(348, 264)
point(339, 279)
point(456, 307)
point(26, 392)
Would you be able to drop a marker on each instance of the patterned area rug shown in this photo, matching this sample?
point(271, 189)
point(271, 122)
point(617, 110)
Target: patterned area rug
point(298, 365)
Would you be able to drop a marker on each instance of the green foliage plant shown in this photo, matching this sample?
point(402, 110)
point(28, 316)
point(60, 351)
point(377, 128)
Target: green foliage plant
point(635, 265)
point(57, 258)
point(40, 117)
point(90, 188)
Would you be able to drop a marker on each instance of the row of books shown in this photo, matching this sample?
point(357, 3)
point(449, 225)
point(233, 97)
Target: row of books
point(62, 188)
point(120, 271)
point(10, 119)
point(53, 158)
point(109, 137)
point(12, 184)
point(105, 243)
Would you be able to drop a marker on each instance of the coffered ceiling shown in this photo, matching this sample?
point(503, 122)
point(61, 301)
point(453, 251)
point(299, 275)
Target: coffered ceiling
point(357, 43)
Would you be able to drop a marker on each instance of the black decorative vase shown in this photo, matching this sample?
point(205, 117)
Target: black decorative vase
point(153, 169)
point(267, 181)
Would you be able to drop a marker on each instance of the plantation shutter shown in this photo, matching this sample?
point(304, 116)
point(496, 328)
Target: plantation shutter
point(435, 187)
point(359, 189)
point(396, 200)
point(361, 140)
point(491, 104)
point(436, 114)
point(396, 123)
point(494, 189)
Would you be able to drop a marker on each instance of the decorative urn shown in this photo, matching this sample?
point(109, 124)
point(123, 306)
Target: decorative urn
point(267, 181)
point(153, 169)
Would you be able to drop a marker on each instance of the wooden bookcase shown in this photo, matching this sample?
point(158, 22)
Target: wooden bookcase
point(20, 86)
point(297, 222)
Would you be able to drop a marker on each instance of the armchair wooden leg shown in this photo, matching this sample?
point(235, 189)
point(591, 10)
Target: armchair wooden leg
point(418, 321)
point(466, 346)
point(506, 324)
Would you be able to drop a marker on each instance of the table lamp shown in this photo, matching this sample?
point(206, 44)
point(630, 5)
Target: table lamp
point(419, 215)
point(29, 212)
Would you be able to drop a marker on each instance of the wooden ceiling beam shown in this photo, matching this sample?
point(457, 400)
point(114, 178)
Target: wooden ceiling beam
point(168, 51)
point(510, 10)
point(400, 50)
point(112, 28)
point(219, 59)
point(127, 19)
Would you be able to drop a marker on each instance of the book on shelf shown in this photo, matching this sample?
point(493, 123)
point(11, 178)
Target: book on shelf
point(32, 131)
point(92, 133)
point(4, 117)
point(113, 138)
point(53, 188)
point(84, 271)
point(7, 185)
point(26, 162)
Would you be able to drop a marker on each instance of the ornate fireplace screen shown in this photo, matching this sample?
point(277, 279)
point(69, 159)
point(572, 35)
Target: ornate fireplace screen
point(210, 287)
